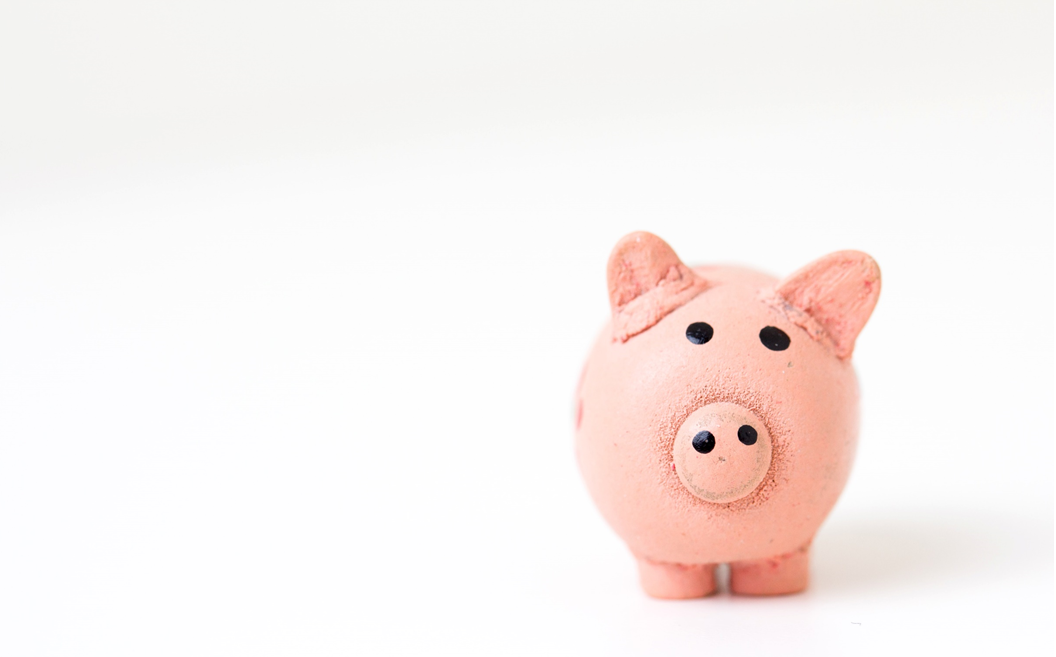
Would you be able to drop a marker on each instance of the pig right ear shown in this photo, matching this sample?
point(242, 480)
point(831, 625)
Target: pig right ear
point(646, 282)
point(832, 298)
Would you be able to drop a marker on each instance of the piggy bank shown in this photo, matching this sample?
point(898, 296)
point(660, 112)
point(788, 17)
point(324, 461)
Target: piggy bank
point(717, 415)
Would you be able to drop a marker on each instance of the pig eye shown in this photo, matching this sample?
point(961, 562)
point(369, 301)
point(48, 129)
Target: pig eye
point(699, 332)
point(774, 338)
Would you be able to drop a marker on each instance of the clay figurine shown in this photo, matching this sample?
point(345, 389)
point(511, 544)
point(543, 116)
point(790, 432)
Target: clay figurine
point(717, 415)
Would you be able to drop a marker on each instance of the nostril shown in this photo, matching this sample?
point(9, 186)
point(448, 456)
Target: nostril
point(746, 434)
point(703, 442)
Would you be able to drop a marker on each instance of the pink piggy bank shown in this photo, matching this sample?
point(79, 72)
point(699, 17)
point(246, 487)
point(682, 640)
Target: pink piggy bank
point(717, 415)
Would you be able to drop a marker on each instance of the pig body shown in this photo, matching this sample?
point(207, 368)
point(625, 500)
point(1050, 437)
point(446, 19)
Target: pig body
point(717, 414)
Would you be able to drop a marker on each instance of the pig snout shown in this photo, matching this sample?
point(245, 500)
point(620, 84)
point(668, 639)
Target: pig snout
point(722, 452)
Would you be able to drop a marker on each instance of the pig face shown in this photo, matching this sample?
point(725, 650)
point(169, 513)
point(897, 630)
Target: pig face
point(718, 410)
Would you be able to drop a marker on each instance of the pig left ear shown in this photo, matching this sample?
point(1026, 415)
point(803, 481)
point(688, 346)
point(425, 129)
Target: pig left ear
point(646, 282)
point(833, 297)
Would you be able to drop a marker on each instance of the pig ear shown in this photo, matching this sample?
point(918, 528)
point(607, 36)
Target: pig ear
point(833, 297)
point(646, 282)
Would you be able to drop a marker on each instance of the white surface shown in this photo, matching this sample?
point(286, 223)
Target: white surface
point(293, 302)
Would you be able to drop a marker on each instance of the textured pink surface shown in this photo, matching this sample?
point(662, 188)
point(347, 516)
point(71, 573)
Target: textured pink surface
point(646, 390)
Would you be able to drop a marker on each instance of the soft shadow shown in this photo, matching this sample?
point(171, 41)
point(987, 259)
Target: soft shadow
point(881, 552)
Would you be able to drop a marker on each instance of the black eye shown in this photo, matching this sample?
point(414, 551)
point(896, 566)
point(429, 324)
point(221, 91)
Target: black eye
point(747, 434)
point(774, 338)
point(699, 332)
point(704, 442)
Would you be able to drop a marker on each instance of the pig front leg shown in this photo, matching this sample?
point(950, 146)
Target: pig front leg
point(786, 573)
point(675, 581)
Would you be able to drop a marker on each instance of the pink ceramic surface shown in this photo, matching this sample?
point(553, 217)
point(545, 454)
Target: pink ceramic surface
point(718, 414)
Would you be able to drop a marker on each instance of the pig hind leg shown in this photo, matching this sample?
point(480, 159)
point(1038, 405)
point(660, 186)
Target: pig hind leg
point(674, 581)
point(786, 573)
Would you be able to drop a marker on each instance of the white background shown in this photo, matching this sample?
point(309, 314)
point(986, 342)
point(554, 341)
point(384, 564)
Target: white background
point(293, 300)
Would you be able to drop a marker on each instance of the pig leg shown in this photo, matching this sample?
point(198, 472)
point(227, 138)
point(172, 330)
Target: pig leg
point(675, 581)
point(787, 573)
